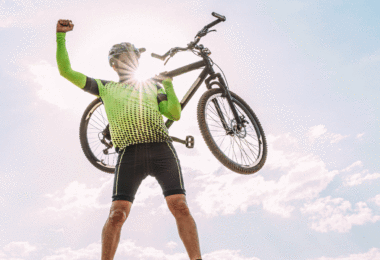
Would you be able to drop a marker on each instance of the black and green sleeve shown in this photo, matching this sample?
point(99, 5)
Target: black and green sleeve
point(86, 83)
point(169, 106)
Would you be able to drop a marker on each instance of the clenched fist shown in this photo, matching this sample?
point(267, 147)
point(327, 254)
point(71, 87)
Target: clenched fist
point(64, 26)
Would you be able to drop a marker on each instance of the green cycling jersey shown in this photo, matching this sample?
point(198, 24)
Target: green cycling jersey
point(134, 111)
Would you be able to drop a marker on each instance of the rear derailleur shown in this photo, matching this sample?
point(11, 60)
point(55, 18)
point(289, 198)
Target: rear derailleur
point(106, 140)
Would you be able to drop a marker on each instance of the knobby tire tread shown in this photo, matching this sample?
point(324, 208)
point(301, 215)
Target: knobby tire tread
point(201, 114)
point(84, 142)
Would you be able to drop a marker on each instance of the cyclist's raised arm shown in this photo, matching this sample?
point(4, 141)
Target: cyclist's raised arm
point(63, 62)
point(169, 107)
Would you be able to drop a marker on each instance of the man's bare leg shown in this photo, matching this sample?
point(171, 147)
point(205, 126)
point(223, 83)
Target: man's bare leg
point(187, 228)
point(111, 231)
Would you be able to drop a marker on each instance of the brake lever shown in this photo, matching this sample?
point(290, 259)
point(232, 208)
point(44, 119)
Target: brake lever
point(171, 54)
point(167, 60)
point(202, 32)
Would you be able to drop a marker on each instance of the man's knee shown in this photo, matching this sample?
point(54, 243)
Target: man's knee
point(177, 205)
point(119, 212)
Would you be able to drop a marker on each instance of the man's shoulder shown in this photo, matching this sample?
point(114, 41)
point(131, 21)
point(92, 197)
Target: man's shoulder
point(104, 82)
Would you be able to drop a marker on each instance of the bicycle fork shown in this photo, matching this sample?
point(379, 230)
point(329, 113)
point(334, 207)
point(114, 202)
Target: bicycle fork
point(239, 121)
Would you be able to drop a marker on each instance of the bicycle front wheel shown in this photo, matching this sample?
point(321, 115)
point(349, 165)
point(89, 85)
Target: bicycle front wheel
point(95, 137)
point(243, 151)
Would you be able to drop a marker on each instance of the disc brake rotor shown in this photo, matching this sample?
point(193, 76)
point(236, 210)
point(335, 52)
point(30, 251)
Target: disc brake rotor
point(242, 133)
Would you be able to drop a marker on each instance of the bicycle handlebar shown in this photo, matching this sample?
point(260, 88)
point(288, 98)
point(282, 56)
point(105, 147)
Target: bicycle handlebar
point(158, 56)
point(204, 31)
point(220, 17)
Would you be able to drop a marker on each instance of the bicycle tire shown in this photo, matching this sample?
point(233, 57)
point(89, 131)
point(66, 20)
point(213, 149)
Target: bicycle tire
point(83, 136)
point(212, 144)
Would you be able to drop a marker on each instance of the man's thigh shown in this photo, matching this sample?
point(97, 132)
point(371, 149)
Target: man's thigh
point(166, 169)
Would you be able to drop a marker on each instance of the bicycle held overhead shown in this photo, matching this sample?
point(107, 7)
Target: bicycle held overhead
point(228, 125)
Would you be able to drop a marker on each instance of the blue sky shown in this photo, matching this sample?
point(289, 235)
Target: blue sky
point(309, 70)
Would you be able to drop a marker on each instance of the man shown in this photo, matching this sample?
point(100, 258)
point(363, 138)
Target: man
point(140, 136)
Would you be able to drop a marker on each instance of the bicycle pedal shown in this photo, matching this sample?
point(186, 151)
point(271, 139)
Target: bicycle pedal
point(189, 141)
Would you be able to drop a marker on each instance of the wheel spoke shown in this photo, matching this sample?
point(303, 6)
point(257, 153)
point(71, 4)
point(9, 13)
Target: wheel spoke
point(253, 136)
point(233, 147)
point(214, 126)
point(100, 119)
point(213, 110)
point(95, 126)
point(246, 152)
point(229, 147)
point(105, 120)
point(93, 141)
point(223, 140)
point(247, 143)
point(218, 122)
point(253, 146)
point(243, 147)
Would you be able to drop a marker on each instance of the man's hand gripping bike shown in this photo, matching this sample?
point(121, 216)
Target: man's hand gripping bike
point(228, 125)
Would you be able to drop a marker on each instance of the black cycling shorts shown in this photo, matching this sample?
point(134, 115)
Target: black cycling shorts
point(135, 162)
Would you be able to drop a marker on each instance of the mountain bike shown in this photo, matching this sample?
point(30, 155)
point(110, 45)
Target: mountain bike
point(228, 125)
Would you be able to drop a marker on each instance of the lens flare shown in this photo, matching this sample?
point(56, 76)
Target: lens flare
point(142, 74)
point(131, 72)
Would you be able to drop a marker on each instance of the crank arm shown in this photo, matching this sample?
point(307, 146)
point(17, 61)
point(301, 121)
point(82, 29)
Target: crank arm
point(189, 142)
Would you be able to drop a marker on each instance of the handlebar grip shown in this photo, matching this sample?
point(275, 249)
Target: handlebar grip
point(158, 56)
point(220, 17)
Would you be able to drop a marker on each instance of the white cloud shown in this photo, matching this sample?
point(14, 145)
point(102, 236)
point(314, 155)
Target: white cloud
point(128, 248)
point(316, 131)
point(355, 164)
point(149, 188)
point(320, 132)
point(6, 22)
point(372, 254)
point(359, 136)
point(19, 249)
point(77, 198)
point(334, 138)
point(358, 178)
point(376, 199)
point(227, 255)
point(171, 244)
point(60, 230)
point(304, 176)
point(21, 13)
point(92, 251)
point(328, 214)
point(55, 89)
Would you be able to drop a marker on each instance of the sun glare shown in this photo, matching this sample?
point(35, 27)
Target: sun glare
point(144, 72)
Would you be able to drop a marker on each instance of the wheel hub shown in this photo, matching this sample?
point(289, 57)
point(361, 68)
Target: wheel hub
point(241, 133)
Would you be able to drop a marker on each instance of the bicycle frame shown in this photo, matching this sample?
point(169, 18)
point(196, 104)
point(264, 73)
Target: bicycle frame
point(207, 71)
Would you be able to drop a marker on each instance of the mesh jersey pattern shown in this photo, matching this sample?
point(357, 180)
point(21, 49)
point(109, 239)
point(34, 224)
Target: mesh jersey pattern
point(133, 113)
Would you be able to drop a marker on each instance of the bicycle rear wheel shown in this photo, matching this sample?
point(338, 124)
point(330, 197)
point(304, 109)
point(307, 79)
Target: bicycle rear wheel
point(95, 137)
point(243, 151)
